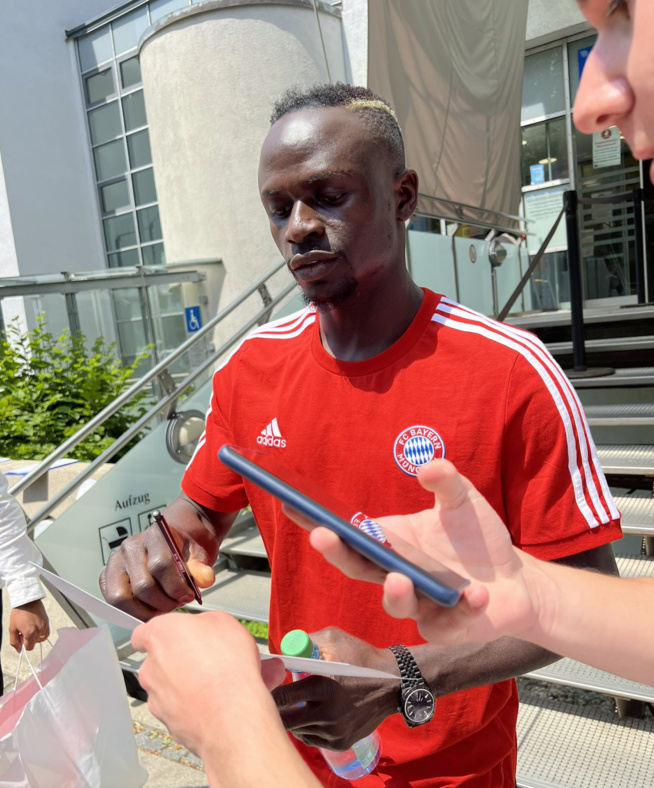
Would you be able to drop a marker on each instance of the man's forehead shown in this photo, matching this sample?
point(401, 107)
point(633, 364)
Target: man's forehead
point(321, 126)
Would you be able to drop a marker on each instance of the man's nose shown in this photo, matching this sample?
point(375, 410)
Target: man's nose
point(604, 98)
point(303, 223)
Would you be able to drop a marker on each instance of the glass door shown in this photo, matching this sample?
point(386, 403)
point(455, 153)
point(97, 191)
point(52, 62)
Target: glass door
point(604, 166)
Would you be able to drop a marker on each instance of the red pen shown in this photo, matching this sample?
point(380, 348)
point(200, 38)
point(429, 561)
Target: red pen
point(180, 563)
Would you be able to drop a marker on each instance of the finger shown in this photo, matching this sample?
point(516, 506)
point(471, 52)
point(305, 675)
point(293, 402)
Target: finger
point(448, 485)
point(273, 672)
point(116, 588)
point(15, 638)
point(312, 689)
point(30, 639)
point(310, 740)
point(203, 575)
point(139, 638)
point(344, 558)
point(298, 518)
point(153, 577)
point(399, 598)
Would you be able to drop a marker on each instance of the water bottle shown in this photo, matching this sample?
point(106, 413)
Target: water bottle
point(363, 756)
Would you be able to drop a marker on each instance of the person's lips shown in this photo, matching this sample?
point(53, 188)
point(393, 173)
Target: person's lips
point(311, 258)
point(312, 266)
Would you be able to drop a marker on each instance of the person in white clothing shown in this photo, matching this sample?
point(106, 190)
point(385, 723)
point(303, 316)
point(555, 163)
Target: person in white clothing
point(28, 622)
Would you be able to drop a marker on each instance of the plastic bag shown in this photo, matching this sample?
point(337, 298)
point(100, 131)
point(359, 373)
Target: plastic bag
point(68, 726)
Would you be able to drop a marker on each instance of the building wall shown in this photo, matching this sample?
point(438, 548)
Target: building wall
point(47, 206)
point(551, 19)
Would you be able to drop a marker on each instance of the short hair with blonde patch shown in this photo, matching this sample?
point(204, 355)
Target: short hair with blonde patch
point(376, 113)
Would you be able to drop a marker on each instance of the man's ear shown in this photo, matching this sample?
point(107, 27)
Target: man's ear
point(406, 194)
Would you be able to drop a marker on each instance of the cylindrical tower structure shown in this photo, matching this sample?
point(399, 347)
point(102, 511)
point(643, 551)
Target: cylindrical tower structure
point(211, 73)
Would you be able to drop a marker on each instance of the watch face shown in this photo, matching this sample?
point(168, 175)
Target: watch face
point(419, 705)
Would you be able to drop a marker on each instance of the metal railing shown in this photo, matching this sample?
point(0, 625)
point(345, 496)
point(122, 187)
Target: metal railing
point(158, 370)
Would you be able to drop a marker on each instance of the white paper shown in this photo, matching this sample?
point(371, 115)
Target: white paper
point(89, 602)
point(113, 615)
point(324, 668)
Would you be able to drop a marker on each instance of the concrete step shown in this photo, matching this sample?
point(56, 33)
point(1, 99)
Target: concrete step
point(637, 512)
point(243, 593)
point(564, 746)
point(569, 673)
point(628, 377)
point(248, 541)
point(635, 415)
point(604, 345)
point(626, 460)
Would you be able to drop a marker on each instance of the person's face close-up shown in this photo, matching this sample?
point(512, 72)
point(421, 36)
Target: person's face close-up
point(329, 192)
point(617, 86)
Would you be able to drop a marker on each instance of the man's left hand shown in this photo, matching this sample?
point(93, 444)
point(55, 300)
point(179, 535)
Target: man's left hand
point(339, 711)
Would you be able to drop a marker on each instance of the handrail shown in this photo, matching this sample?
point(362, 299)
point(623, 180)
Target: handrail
point(433, 198)
point(530, 269)
point(159, 406)
point(129, 393)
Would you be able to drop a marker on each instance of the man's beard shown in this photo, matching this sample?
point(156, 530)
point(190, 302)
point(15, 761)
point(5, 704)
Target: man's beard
point(342, 291)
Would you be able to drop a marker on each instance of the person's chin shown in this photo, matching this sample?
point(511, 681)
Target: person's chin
point(326, 300)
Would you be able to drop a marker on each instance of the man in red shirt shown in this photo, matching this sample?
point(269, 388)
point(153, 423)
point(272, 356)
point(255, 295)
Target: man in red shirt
point(378, 374)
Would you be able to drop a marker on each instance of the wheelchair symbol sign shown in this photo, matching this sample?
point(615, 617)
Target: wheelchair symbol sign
point(193, 319)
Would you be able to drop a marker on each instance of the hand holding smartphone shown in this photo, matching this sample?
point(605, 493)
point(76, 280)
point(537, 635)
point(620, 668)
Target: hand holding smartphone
point(432, 580)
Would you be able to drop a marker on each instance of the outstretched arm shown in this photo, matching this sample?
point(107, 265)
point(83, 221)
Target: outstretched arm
point(562, 609)
point(204, 680)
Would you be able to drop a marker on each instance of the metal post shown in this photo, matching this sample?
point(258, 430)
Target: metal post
point(574, 271)
point(640, 245)
point(73, 314)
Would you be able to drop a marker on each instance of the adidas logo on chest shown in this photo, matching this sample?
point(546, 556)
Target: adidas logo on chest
point(271, 435)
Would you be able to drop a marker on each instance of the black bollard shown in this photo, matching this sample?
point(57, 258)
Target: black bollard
point(574, 272)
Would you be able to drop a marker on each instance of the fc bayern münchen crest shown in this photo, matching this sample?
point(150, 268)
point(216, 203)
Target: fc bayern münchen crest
point(416, 446)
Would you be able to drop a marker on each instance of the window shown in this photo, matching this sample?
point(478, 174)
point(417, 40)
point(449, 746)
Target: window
point(144, 190)
point(114, 196)
point(544, 152)
point(110, 160)
point(130, 72)
point(99, 86)
point(543, 92)
point(104, 123)
point(119, 137)
point(139, 149)
point(578, 52)
point(134, 111)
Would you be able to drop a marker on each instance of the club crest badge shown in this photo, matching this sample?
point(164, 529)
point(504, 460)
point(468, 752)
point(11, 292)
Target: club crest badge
point(416, 446)
point(370, 527)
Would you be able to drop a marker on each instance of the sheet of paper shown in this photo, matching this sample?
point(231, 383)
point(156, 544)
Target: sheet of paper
point(90, 603)
point(98, 607)
point(323, 668)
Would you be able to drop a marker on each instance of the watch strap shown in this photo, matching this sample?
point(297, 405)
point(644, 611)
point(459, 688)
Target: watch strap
point(409, 670)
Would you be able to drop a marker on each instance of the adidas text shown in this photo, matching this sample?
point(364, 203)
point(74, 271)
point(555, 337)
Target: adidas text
point(268, 440)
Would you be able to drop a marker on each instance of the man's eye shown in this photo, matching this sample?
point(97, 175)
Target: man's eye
point(330, 199)
point(279, 213)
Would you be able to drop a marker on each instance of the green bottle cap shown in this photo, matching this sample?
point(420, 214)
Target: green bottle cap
point(297, 643)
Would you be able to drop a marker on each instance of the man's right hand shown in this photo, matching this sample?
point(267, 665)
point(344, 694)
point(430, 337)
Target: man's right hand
point(141, 577)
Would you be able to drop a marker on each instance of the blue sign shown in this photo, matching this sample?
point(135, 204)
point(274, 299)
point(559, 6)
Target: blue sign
point(582, 57)
point(193, 319)
point(537, 174)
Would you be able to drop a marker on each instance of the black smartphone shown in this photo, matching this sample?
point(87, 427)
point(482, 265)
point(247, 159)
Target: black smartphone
point(180, 563)
point(439, 584)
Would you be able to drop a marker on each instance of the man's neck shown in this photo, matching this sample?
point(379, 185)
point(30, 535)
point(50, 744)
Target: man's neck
point(368, 323)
